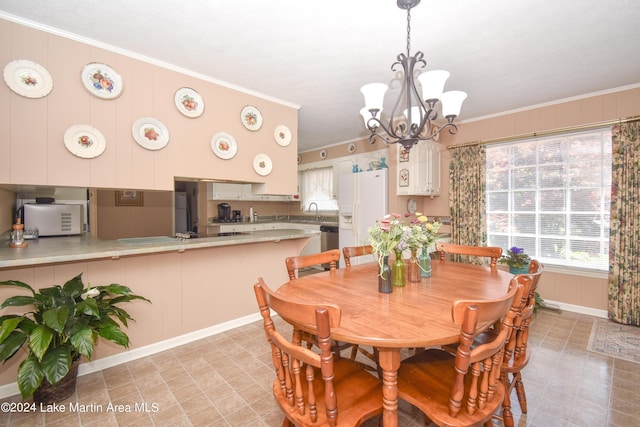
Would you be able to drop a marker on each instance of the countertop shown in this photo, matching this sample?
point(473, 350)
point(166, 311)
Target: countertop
point(49, 250)
point(300, 219)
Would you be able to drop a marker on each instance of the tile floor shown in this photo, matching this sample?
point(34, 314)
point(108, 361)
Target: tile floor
point(224, 380)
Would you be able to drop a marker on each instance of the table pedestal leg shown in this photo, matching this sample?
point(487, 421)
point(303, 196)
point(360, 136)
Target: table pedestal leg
point(390, 363)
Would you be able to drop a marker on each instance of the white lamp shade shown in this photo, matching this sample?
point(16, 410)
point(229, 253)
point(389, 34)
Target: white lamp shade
point(452, 102)
point(415, 115)
point(432, 83)
point(374, 95)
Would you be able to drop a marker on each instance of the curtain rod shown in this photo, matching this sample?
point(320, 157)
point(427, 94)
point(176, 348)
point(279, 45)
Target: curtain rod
point(545, 132)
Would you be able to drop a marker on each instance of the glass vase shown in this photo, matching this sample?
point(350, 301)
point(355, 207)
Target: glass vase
point(413, 267)
point(384, 276)
point(397, 270)
point(425, 263)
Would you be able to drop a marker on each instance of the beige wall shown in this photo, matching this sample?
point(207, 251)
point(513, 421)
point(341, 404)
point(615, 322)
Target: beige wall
point(7, 209)
point(34, 129)
point(154, 218)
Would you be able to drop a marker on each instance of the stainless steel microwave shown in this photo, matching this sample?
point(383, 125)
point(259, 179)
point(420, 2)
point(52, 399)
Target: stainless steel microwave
point(53, 219)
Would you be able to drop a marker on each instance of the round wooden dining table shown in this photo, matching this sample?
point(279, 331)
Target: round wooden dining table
point(416, 315)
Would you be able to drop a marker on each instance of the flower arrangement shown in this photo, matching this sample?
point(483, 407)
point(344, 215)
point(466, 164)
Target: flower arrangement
point(386, 234)
point(391, 234)
point(422, 233)
point(515, 258)
point(59, 324)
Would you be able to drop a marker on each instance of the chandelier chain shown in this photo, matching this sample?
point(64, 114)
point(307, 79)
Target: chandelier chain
point(409, 32)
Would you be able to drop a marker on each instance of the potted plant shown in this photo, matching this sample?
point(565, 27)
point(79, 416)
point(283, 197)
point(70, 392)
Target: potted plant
point(59, 325)
point(517, 260)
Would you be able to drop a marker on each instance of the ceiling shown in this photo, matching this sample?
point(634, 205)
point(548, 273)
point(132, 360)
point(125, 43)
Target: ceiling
point(505, 54)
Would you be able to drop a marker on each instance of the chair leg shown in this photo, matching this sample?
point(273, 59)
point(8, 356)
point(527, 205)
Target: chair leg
point(522, 397)
point(354, 352)
point(507, 415)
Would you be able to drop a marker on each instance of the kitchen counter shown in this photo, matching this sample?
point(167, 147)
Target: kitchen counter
point(48, 250)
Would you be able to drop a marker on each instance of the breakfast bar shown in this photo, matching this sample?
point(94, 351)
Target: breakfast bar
point(197, 287)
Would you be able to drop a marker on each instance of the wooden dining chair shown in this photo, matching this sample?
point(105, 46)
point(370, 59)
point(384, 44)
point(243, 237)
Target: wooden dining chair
point(331, 257)
point(492, 252)
point(295, 263)
point(517, 352)
point(315, 389)
point(353, 251)
point(463, 389)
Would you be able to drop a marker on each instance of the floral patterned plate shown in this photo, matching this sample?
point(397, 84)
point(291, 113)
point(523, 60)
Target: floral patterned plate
point(101, 80)
point(84, 141)
point(150, 133)
point(251, 118)
point(223, 145)
point(28, 79)
point(282, 134)
point(189, 102)
point(262, 164)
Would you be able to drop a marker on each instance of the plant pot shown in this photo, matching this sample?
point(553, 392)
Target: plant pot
point(519, 270)
point(47, 394)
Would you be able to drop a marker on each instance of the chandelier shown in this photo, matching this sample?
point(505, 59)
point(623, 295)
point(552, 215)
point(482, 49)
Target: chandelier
point(417, 122)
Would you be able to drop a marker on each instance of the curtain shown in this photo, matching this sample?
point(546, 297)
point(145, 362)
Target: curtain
point(467, 178)
point(624, 235)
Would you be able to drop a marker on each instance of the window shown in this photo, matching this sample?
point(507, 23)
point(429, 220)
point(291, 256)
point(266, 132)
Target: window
point(551, 196)
point(317, 187)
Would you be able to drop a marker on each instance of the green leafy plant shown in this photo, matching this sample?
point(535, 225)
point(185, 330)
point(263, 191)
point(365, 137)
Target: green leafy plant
point(61, 324)
point(515, 258)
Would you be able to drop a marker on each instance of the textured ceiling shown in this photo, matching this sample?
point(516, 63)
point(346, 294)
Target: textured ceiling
point(505, 54)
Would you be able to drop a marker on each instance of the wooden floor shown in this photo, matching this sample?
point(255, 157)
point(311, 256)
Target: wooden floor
point(224, 380)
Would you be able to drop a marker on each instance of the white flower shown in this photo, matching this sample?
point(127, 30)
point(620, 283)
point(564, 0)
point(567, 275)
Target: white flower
point(91, 293)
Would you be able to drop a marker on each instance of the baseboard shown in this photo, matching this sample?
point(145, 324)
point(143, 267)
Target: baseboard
point(11, 389)
point(577, 309)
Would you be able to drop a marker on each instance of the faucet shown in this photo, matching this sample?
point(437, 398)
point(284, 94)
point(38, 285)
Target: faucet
point(316, 205)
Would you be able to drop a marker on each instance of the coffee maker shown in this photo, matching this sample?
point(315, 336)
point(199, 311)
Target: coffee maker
point(236, 216)
point(224, 212)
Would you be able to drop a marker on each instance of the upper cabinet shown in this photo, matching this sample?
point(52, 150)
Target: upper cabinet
point(419, 170)
point(158, 123)
point(239, 191)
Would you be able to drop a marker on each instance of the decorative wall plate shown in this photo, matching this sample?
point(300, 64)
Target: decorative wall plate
point(84, 141)
point(150, 133)
point(323, 154)
point(28, 78)
point(189, 102)
point(101, 80)
point(262, 164)
point(351, 148)
point(223, 145)
point(282, 134)
point(251, 117)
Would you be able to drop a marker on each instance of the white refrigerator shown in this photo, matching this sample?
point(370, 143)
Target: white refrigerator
point(363, 198)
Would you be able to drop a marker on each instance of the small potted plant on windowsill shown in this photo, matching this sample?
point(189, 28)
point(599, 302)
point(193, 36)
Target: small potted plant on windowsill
point(517, 260)
point(59, 325)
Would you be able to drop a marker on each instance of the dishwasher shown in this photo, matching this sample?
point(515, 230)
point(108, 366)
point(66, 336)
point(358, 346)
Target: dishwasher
point(329, 240)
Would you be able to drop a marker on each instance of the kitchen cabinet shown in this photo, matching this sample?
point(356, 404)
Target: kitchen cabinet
point(241, 228)
point(418, 171)
point(239, 191)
